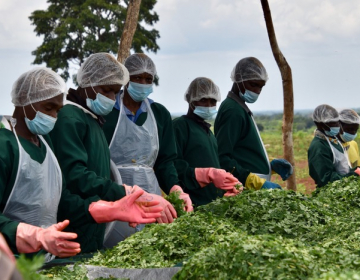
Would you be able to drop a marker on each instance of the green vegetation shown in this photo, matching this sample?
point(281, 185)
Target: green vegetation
point(178, 203)
point(72, 30)
point(256, 235)
point(28, 267)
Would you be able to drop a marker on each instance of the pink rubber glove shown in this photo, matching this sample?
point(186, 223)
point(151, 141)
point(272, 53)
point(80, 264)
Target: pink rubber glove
point(128, 189)
point(184, 196)
point(219, 177)
point(357, 171)
point(30, 239)
point(128, 209)
point(234, 192)
point(5, 248)
point(167, 215)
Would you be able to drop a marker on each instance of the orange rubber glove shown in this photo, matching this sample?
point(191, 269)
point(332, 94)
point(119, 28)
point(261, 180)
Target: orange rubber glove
point(219, 177)
point(184, 196)
point(30, 239)
point(128, 209)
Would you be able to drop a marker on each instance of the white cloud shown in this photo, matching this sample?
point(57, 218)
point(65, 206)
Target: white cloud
point(207, 37)
point(16, 31)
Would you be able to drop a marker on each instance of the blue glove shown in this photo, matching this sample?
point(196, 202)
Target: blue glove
point(282, 167)
point(268, 185)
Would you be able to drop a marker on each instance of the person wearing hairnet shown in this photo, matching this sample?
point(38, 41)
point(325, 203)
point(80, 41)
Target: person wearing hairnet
point(241, 150)
point(28, 202)
point(198, 163)
point(82, 150)
point(32, 190)
point(350, 122)
point(326, 157)
point(140, 134)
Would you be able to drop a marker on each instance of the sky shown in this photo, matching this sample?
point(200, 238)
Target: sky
point(206, 38)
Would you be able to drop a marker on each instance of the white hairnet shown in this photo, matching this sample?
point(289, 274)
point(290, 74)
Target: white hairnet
point(139, 63)
point(38, 84)
point(325, 113)
point(101, 69)
point(249, 68)
point(202, 88)
point(349, 116)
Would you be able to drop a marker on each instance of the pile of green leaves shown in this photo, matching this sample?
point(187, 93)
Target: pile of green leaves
point(265, 257)
point(177, 202)
point(285, 213)
point(258, 234)
point(165, 245)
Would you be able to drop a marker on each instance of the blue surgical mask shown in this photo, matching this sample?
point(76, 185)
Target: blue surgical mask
point(42, 124)
point(333, 131)
point(205, 113)
point(347, 137)
point(101, 106)
point(139, 92)
point(249, 96)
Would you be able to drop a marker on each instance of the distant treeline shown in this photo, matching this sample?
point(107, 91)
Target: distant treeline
point(273, 122)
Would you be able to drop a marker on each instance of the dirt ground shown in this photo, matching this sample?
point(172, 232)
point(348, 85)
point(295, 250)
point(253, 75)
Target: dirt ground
point(308, 182)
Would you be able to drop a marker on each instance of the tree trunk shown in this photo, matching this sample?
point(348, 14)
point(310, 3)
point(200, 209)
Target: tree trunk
point(130, 25)
point(285, 70)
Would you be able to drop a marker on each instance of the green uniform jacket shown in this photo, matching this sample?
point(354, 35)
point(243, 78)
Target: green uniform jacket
point(164, 166)
point(320, 160)
point(240, 148)
point(195, 148)
point(71, 207)
point(84, 158)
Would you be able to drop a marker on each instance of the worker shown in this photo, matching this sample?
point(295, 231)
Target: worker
point(140, 137)
point(241, 150)
point(198, 163)
point(350, 122)
point(81, 148)
point(326, 157)
point(140, 134)
point(28, 218)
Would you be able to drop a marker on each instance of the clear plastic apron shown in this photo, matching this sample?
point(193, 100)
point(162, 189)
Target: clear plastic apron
point(341, 160)
point(36, 193)
point(267, 177)
point(134, 150)
point(111, 237)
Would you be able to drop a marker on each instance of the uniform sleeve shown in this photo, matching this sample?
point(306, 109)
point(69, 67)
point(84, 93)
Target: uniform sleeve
point(164, 167)
point(185, 172)
point(8, 227)
point(75, 209)
point(71, 206)
point(321, 167)
point(228, 130)
point(67, 138)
